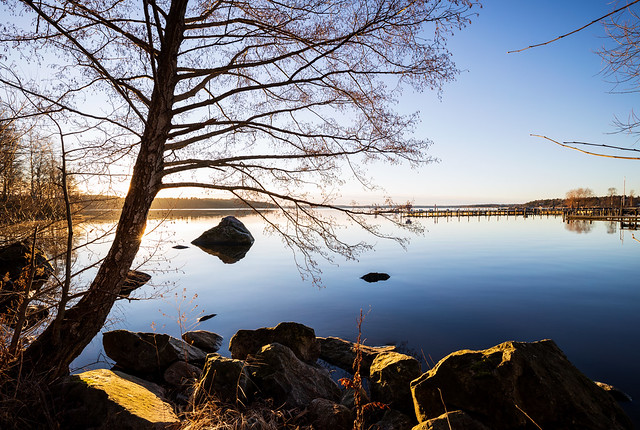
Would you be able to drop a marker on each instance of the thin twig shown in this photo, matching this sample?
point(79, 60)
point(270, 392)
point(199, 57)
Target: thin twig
point(527, 415)
point(576, 30)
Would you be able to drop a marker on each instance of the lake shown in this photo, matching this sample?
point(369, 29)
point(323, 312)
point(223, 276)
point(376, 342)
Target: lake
point(461, 284)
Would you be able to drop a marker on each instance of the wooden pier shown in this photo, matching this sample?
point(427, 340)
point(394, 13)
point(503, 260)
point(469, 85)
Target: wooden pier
point(481, 212)
point(629, 215)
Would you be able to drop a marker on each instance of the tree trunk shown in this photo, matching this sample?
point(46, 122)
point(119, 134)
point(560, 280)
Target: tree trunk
point(83, 321)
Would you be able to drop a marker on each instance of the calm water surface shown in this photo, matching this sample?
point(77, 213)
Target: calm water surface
point(463, 284)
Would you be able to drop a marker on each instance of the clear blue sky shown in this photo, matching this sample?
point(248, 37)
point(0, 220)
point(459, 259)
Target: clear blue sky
point(481, 126)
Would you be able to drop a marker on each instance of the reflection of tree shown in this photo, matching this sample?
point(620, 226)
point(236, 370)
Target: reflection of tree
point(612, 227)
point(579, 226)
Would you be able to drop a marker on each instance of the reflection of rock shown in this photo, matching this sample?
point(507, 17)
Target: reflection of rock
point(229, 241)
point(228, 254)
point(375, 277)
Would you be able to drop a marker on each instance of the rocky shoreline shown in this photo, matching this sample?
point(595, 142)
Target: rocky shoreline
point(158, 379)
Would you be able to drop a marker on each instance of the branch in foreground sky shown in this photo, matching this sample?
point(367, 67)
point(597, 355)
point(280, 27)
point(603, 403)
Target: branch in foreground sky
point(569, 145)
point(576, 30)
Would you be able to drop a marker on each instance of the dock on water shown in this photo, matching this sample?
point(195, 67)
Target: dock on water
point(629, 215)
point(480, 212)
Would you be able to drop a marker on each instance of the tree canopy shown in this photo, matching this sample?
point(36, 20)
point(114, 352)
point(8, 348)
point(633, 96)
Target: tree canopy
point(273, 100)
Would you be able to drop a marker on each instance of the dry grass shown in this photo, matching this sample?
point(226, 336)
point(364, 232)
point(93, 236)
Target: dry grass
point(214, 415)
point(25, 402)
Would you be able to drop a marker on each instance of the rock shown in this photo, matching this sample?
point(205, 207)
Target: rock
point(182, 374)
point(452, 420)
point(390, 378)
point(206, 317)
point(348, 398)
point(180, 247)
point(14, 259)
point(102, 399)
point(224, 379)
point(341, 353)
point(148, 353)
point(280, 375)
point(511, 384)
point(230, 231)
point(205, 340)
point(394, 420)
point(327, 415)
point(375, 277)
point(230, 240)
point(134, 280)
point(299, 338)
point(617, 394)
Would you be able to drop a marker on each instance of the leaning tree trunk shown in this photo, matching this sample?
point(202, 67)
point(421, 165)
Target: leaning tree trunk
point(84, 320)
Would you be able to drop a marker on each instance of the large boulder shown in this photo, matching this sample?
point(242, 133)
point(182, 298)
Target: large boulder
point(15, 259)
point(297, 337)
point(230, 240)
point(514, 384)
point(103, 400)
point(327, 415)
point(452, 420)
point(205, 340)
point(280, 375)
point(342, 353)
point(223, 379)
point(148, 353)
point(391, 374)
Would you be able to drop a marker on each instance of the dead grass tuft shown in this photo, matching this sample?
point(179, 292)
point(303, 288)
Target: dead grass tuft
point(214, 415)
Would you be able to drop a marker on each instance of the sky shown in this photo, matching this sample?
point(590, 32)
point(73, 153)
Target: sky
point(481, 126)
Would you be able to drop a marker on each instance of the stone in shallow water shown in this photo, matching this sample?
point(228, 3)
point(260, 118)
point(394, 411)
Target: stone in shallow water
point(375, 277)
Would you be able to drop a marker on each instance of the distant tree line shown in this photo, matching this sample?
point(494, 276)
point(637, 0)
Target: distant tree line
point(104, 202)
point(584, 197)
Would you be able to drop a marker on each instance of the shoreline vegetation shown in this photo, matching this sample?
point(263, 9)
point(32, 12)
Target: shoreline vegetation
point(19, 209)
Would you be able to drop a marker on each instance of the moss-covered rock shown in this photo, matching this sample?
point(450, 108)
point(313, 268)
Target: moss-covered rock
point(514, 384)
point(104, 399)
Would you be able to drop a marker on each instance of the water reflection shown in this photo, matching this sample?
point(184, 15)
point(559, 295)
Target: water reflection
point(228, 254)
point(579, 226)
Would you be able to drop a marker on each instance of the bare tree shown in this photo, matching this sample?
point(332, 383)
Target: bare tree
point(578, 197)
point(612, 191)
point(269, 99)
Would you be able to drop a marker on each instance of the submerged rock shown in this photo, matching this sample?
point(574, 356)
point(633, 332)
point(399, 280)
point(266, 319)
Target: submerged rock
point(297, 337)
point(102, 399)
point(511, 385)
point(375, 277)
